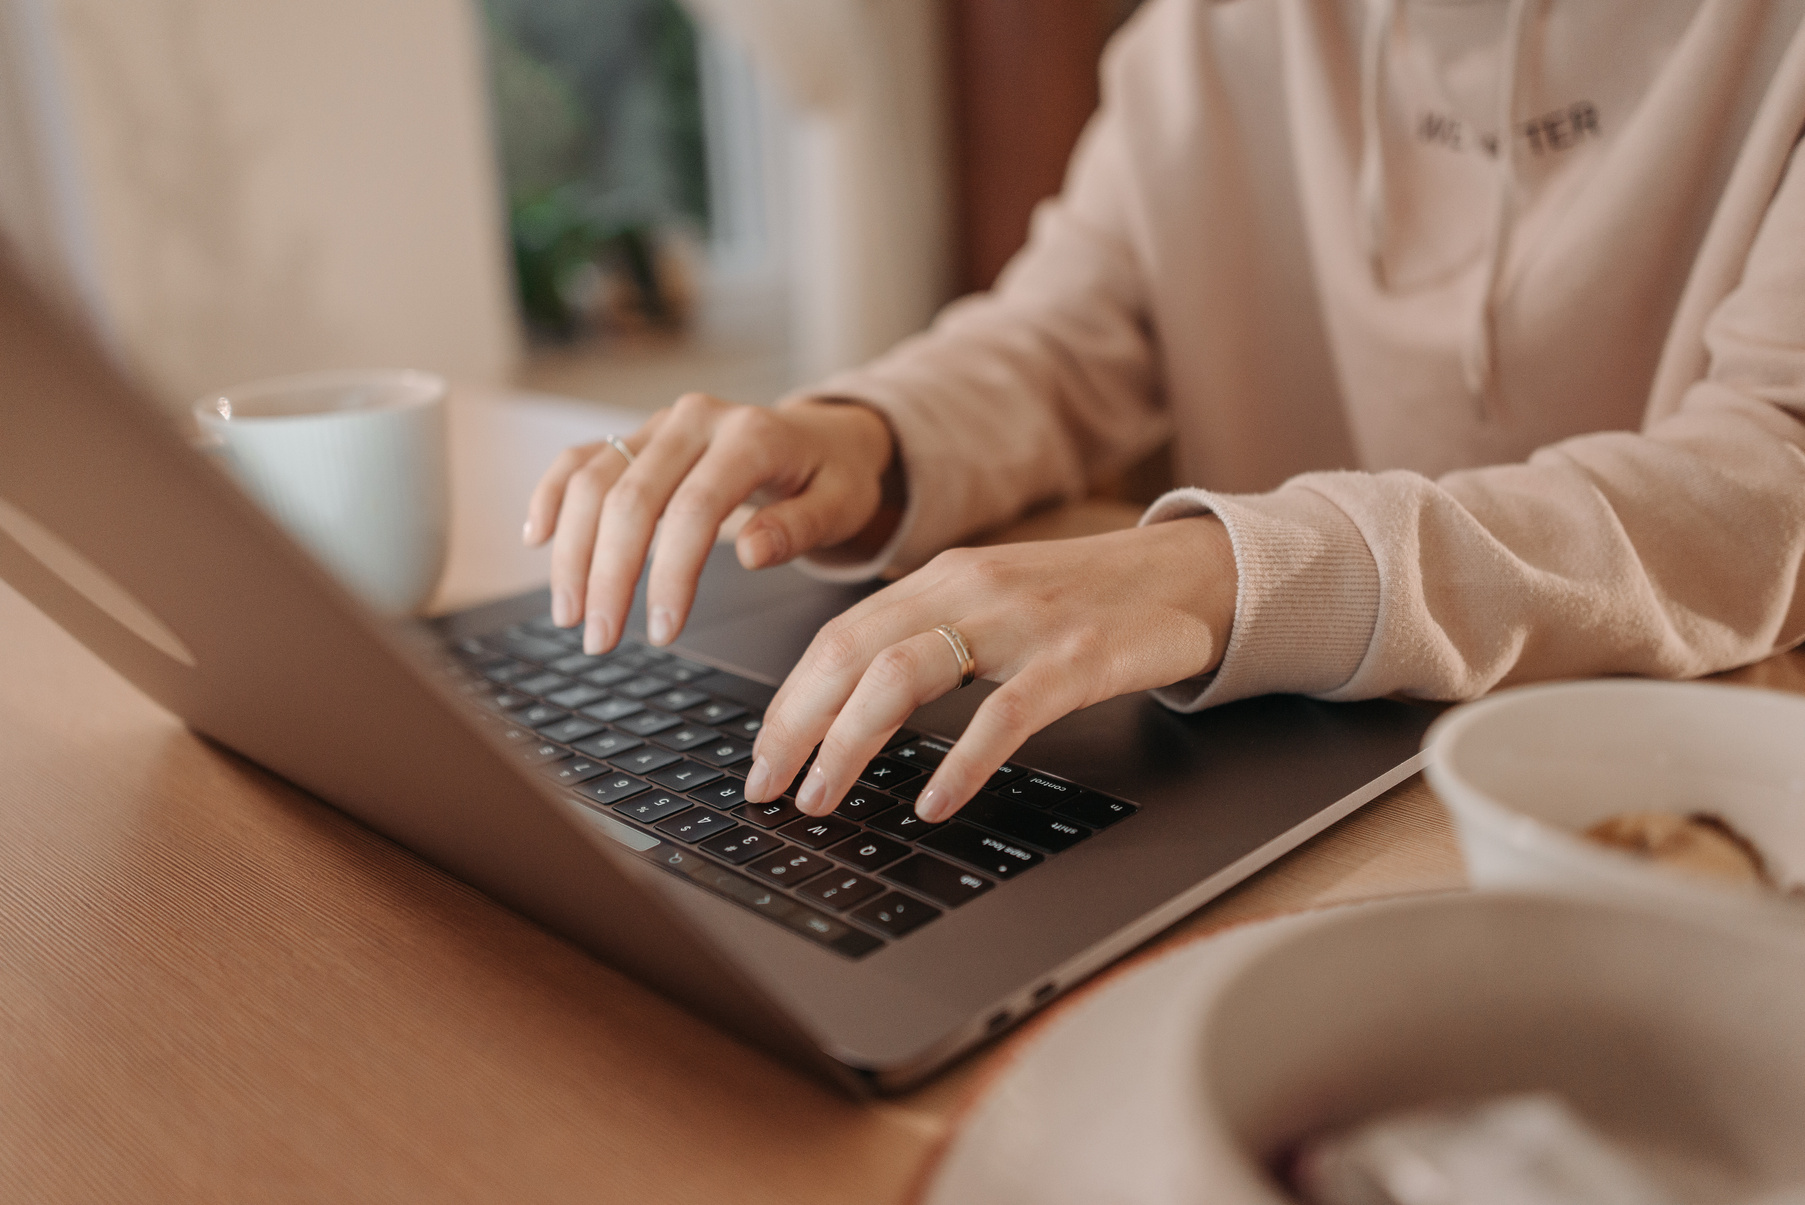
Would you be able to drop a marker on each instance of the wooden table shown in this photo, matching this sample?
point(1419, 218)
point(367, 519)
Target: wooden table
point(214, 988)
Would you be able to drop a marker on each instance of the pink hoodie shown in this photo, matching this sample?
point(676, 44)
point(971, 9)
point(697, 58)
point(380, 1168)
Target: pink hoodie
point(1474, 409)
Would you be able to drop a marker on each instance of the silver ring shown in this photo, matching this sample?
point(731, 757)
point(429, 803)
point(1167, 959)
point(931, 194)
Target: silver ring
point(968, 668)
point(620, 445)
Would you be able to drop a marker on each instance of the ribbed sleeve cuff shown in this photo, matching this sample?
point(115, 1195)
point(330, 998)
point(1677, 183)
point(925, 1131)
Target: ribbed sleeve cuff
point(1307, 602)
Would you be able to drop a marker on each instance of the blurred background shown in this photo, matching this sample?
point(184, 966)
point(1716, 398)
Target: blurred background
point(610, 199)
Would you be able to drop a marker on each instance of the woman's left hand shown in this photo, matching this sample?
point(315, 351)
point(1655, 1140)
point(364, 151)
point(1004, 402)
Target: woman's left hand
point(1060, 625)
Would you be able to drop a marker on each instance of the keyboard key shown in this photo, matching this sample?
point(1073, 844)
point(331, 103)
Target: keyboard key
point(1040, 790)
point(576, 770)
point(901, 736)
point(612, 788)
point(869, 852)
point(746, 727)
point(910, 791)
point(840, 938)
point(573, 728)
point(996, 856)
point(742, 844)
point(716, 711)
point(726, 794)
point(818, 833)
point(680, 671)
point(940, 881)
point(685, 776)
point(649, 723)
point(896, 914)
point(644, 760)
point(533, 648)
point(828, 931)
point(769, 815)
point(608, 744)
point(723, 752)
point(542, 752)
point(902, 823)
point(576, 696)
point(543, 625)
point(608, 675)
point(687, 737)
point(578, 664)
point(649, 809)
point(651, 655)
point(506, 670)
point(841, 891)
point(614, 710)
point(541, 684)
point(884, 773)
point(1008, 772)
point(693, 825)
point(642, 687)
point(1098, 811)
point(861, 804)
point(1043, 830)
point(535, 714)
point(926, 752)
point(631, 657)
point(507, 700)
point(789, 866)
point(680, 698)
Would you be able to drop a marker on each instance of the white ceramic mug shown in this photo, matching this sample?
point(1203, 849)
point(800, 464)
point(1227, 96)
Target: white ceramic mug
point(353, 464)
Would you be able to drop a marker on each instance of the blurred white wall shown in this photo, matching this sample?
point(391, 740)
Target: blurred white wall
point(867, 195)
point(245, 188)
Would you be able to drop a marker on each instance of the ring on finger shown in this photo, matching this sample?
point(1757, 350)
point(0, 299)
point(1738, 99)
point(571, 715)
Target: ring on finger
point(620, 445)
point(968, 667)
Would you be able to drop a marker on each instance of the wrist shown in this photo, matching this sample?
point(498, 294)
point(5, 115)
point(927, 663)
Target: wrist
point(1196, 562)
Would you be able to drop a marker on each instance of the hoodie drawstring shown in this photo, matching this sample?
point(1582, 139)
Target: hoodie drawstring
point(1478, 356)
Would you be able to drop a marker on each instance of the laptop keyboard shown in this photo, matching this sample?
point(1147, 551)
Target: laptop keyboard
point(662, 744)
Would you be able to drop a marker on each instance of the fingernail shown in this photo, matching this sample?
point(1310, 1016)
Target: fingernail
point(760, 547)
point(661, 625)
point(595, 635)
point(564, 608)
point(526, 532)
point(758, 781)
point(931, 805)
point(813, 788)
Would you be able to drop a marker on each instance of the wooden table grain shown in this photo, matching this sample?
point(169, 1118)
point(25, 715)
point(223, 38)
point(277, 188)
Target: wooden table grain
point(215, 988)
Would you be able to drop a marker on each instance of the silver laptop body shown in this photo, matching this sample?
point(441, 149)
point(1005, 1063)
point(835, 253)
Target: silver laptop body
point(146, 553)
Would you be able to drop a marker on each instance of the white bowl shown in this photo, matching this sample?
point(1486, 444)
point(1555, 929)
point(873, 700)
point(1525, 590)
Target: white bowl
point(1527, 771)
point(1679, 1039)
point(1187, 1077)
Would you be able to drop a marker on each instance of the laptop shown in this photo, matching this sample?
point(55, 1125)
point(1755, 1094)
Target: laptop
point(600, 796)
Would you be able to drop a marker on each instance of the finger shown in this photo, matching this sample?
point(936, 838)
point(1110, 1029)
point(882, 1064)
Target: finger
point(818, 688)
point(830, 511)
point(743, 455)
point(629, 516)
point(899, 679)
point(1015, 711)
point(573, 541)
point(548, 495)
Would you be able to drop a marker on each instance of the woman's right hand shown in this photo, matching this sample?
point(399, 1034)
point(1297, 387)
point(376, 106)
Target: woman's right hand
point(818, 469)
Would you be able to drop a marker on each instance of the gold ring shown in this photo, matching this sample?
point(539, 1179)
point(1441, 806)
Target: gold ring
point(620, 445)
point(968, 668)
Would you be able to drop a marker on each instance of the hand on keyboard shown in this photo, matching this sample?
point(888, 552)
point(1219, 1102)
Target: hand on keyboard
point(824, 465)
point(1060, 624)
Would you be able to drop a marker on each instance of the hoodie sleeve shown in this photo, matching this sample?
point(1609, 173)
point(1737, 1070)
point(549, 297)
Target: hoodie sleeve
point(1672, 552)
point(1029, 393)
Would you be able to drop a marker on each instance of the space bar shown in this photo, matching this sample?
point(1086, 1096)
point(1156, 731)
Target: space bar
point(842, 939)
